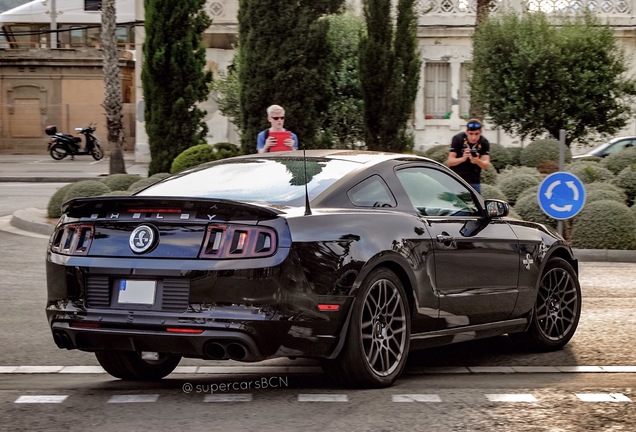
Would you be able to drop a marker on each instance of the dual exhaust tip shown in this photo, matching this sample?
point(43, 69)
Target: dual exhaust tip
point(226, 351)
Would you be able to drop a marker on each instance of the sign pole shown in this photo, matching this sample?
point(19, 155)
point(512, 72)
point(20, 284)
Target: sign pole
point(561, 165)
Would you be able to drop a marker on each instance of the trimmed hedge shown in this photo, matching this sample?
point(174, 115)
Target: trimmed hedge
point(528, 208)
point(531, 191)
point(515, 155)
point(492, 192)
point(54, 209)
point(438, 153)
point(617, 162)
point(589, 172)
point(488, 176)
point(626, 180)
point(202, 153)
point(512, 187)
point(515, 171)
point(86, 188)
point(120, 182)
point(617, 230)
point(538, 152)
point(499, 156)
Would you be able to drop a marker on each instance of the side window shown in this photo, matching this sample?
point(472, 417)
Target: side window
point(371, 192)
point(435, 193)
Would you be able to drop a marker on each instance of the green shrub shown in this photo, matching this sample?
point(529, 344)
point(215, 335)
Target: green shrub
point(515, 171)
point(540, 151)
point(86, 188)
point(528, 208)
point(512, 187)
point(118, 193)
point(617, 162)
point(604, 225)
point(142, 184)
point(499, 156)
point(531, 191)
point(202, 153)
point(515, 155)
point(54, 208)
point(626, 180)
point(488, 176)
point(438, 153)
point(226, 149)
point(492, 192)
point(601, 186)
point(193, 156)
point(120, 182)
point(590, 172)
point(160, 176)
point(514, 215)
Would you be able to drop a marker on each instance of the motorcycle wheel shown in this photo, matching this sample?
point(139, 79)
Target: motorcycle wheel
point(97, 152)
point(58, 151)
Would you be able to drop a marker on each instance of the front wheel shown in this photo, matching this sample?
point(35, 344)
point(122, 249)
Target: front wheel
point(58, 151)
point(129, 365)
point(377, 344)
point(97, 152)
point(557, 310)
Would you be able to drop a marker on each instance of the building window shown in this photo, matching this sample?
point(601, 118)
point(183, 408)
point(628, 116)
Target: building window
point(437, 91)
point(92, 5)
point(464, 90)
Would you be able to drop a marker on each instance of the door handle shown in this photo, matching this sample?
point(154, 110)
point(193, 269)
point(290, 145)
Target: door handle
point(444, 238)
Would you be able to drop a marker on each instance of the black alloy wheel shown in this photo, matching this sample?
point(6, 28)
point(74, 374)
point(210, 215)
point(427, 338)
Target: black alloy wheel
point(129, 365)
point(58, 151)
point(557, 309)
point(377, 344)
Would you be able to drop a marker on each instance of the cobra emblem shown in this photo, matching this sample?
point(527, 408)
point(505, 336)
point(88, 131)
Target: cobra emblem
point(142, 239)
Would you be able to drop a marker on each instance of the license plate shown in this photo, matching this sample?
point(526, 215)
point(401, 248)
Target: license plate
point(137, 291)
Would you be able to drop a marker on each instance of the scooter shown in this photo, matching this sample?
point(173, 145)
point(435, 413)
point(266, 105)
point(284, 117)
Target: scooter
point(62, 145)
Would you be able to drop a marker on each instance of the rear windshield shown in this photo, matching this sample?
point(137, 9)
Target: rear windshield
point(279, 181)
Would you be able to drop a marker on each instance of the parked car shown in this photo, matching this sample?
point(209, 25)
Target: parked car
point(351, 257)
point(614, 145)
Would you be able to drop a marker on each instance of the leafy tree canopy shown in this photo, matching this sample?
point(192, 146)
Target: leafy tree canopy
point(531, 76)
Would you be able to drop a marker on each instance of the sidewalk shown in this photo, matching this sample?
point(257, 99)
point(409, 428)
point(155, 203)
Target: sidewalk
point(41, 168)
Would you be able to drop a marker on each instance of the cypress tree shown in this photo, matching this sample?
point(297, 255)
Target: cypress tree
point(389, 74)
point(174, 79)
point(284, 58)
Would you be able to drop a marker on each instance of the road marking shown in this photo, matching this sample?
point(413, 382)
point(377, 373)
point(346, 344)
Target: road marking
point(322, 398)
point(228, 398)
point(140, 398)
point(41, 399)
point(228, 370)
point(416, 398)
point(603, 397)
point(503, 397)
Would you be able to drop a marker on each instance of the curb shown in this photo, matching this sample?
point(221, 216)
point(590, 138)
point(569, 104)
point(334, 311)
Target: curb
point(35, 220)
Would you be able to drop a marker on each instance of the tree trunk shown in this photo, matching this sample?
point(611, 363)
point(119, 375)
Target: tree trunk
point(112, 85)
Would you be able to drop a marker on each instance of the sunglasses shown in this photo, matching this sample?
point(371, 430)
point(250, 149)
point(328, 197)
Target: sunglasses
point(278, 118)
point(472, 126)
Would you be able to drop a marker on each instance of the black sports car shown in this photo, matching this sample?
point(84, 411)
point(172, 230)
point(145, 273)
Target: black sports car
point(353, 258)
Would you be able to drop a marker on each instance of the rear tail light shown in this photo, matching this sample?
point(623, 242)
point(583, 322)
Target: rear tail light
point(230, 241)
point(73, 239)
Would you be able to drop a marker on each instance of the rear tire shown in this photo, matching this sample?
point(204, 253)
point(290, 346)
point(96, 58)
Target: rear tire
point(97, 152)
point(128, 365)
point(378, 340)
point(58, 151)
point(557, 310)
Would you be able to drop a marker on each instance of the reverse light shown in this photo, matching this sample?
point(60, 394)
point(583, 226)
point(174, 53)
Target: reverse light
point(238, 241)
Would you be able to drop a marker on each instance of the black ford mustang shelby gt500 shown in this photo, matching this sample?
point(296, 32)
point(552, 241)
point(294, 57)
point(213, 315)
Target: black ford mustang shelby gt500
point(353, 258)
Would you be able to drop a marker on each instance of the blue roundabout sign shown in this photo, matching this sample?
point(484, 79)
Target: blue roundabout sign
point(561, 195)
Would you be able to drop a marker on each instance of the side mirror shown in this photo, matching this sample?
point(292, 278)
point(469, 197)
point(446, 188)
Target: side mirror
point(497, 208)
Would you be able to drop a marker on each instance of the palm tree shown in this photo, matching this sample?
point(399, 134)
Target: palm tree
point(112, 85)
